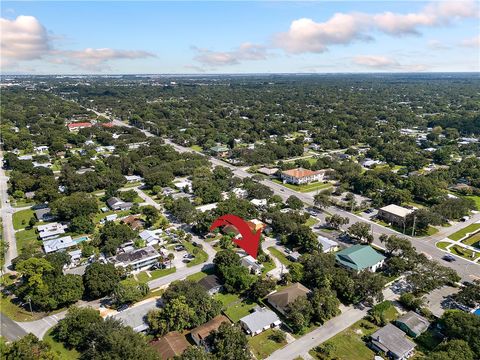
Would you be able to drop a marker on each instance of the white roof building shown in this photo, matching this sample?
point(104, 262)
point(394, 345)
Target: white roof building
point(327, 244)
point(152, 237)
point(133, 178)
point(183, 183)
point(207, 207)
point(259, 202)
point(260, 320)
point(50, 231)
point(53, 245)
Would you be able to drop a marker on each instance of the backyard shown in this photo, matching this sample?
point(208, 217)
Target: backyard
point(262, 346)
point(234, 306)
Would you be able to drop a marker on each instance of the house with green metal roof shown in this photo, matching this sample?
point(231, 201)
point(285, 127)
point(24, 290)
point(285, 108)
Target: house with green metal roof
point(360, 257)
point(220, 150)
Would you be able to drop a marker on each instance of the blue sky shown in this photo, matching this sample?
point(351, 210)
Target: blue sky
point(239, 37)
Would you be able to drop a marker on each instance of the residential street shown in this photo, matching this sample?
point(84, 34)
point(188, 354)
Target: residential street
point(10, 330)
point(7, 222)
point(347, 318)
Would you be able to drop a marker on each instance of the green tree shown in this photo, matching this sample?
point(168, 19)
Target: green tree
point(29, 348)
point(129, 291)
point(324, 304)
point(82, 225)
point(299, 314)
point(229, 343)
point(294, 202)
point(100, 279)
point(361, 231)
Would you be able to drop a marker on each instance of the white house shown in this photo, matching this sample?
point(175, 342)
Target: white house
point(327, 244)
point(252, 265)
point(259, 202)
point(151, 237)
point(260, 320)
point(183, 184)
point(50, 231)
point(133, 178)
point(138, 259)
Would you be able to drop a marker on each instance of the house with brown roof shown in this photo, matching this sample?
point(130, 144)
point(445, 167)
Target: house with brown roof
point(134, 222)
point(171, 345)
point(300, 176)
point(281, 299)
point(202, 332)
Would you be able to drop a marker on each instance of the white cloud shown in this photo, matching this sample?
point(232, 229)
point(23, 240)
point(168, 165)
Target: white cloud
point(306, 35)
point(96, 59)
point(246, 51)
point(472, 42)
point(375, 61)
point(386, 63)
point(22, 39)
point(26, 39)
point(437, 45)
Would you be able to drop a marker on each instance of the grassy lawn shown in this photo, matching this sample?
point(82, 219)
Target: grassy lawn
point(473, 240)
point(16, 312)
point(461, 233)
point(21, 218)
point(443, 245)
point(279, 255)
point(21, 202)
point(25, 236)
point(155, 274)
point(234, 306)
point(348, 345)
point(200, 257)
point(63, 352)
point(463, 252)
point(305, 188)
point(197, 276)
point(476, 199)
point(267, 266)
point(262, 346)
point(311, 221)
point(196, 148)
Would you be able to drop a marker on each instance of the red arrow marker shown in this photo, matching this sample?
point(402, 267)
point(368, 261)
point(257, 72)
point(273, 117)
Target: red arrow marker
point(249, 241)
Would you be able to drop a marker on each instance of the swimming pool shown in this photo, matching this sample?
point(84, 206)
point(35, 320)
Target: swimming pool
point(80, 239)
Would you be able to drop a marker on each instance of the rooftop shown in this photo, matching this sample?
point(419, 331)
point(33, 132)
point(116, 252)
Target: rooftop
point(390, 338)
point(301, 172)
point(260, 318)
point(210, 282)
point(397, 210)
point(136, 255)
point(204, 330)
point(170, 345)
point(414, 321)
point(359, 257)
point(288, 295)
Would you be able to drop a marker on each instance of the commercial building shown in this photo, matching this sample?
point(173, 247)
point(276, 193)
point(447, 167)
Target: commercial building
point(139, 259)
point(394, 214)
point(300, 176)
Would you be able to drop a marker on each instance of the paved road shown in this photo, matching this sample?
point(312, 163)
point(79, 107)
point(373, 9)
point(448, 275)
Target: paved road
point(466, 269)
point(9, 329)
point(302, 345)
point(7, 222)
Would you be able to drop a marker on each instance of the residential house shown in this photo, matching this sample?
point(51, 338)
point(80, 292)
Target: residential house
point(260, 203)
point(294, 256)
point(134, 222)
point(75, 257)
point(240, 193)
point(151, 237)
point(111, 217)
point(44, 214)
point(51, 231)
point(360, 257)
point(207, 207)
point(139, 259)
point(184, 185)
point(281, 299)
point(115, 203)
point(40, 149)
point(259, 320)
point(211, 283)
point(394, 214)
point(328, 245)
point(133, 178)
point(62, 243)
point(393, 342)
point(221, 151)
point(412, 324)
point(202, 332)
point(369, 163)
point(300, 176)
point(171, 345)
point(252, 265)
point(255, 225)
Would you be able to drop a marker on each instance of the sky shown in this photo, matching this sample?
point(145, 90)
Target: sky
point(93, 37)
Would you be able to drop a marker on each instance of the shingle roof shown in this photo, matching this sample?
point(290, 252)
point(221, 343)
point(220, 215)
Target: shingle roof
point(170, 345)
point(210, 282)
point(204, 330)
point(288, 295)
point(390, 338)
point(414, 322)
point(359, 257)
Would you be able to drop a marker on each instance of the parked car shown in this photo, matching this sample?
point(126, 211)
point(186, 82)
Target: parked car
point(194, 243)
point(449, 258)
point(179, 248)
point(123, 307)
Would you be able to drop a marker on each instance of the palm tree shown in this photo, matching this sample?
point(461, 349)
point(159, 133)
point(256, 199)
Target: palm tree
point(170, 258)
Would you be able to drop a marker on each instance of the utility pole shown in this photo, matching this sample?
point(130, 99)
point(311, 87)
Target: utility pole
point(413, 228)
point(30, 303)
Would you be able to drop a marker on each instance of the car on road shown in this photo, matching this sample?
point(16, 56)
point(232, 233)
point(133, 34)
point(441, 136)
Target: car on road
point(288, 251)
point(123, 307)
point(179, 248)
point(448, 258)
